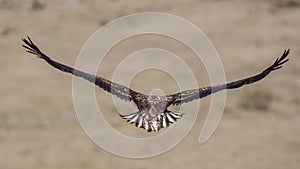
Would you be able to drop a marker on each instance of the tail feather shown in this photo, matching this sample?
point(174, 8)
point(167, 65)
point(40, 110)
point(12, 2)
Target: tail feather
point(143, 120)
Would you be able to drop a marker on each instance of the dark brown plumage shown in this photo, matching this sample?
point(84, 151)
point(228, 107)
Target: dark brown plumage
point(152, 114)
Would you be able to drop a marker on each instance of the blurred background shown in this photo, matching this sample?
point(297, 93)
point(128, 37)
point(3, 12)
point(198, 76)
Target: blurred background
point(260, 126)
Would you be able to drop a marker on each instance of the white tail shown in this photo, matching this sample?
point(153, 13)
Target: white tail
point(143, 120)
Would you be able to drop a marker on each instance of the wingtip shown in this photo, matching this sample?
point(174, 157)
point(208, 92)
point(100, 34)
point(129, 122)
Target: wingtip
point(287, 51)
point(283, 57)
point(281, 60)
point(24, 40)
point(27, 40)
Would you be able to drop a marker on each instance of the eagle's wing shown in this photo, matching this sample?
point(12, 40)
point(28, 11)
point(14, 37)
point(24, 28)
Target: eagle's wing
point(189, 95)
point(118, 90)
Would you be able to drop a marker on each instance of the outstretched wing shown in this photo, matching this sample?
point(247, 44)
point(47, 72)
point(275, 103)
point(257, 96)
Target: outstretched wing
point(116, 89)
point(189, 95)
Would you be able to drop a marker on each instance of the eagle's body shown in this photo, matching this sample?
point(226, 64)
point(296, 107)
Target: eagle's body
point(153, 113)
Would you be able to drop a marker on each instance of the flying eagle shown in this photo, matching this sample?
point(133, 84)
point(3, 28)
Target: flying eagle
point(153, 113)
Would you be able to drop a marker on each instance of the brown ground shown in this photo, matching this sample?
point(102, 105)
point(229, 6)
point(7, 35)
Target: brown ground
point(38, 124)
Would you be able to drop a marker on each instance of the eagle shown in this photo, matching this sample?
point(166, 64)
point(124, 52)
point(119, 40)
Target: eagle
point(153, 113)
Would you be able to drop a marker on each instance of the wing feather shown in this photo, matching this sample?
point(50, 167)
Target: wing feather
point(189, 95)
point(118, 90)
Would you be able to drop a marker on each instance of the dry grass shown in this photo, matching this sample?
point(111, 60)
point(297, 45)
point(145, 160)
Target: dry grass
point(287, 3)
point(38, 125)
point(256, 99)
